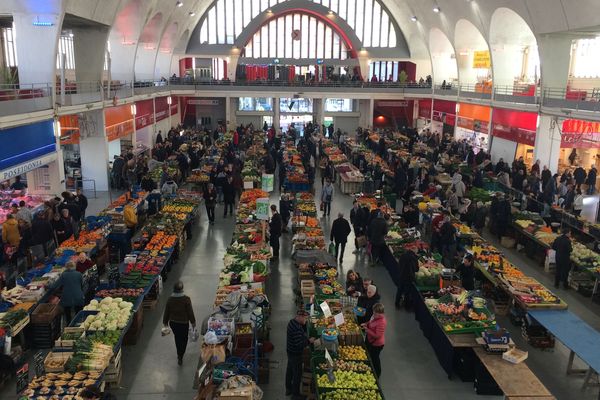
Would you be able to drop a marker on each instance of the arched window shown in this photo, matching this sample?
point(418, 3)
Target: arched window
point(296, 35)
point(225, 20)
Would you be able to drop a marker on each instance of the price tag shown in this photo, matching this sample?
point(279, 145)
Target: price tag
point(326, 310)
point(22, 378)
point(339, 319)
point(38, 362)
point(328, 358)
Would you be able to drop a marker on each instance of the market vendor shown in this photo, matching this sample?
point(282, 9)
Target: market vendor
point(18, 185)
point(275, 230)
point(130, 216)
point(83, 263)
point(467, 272)
point(563, 247)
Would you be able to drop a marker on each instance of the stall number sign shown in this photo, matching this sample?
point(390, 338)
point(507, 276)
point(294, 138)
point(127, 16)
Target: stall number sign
point(262, 209)
point(267, 182)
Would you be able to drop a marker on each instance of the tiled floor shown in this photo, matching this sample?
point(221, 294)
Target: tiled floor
point(410, 368)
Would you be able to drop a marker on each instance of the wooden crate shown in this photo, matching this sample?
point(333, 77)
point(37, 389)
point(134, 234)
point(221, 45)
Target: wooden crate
point(113, 380)
point(68, 344)
point(354, 339)
point(307, 288)
point(115, 363)
point(53, 357)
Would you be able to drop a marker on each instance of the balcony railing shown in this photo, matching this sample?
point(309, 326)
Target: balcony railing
point(16, 99)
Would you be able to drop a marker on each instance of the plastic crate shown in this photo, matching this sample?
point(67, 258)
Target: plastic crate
point(80, 317)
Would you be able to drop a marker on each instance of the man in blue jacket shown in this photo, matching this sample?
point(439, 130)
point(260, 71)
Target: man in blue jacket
point(297, 340)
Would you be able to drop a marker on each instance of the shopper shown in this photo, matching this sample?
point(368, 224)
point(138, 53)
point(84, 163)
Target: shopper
point(228, 196)
point(326, 198)
point(367, 301)
point(130, 216)
point(72, 298)
point(24, 213)
point(378, 228)
point(354, 283)
point(147, 184)
point(578, 203)
point(210, 201)
point(275, 230)
point(285, 208)
point(563, 248)
point(467, 272)
point(178, 316)
point(408, 264)
point(375, 330)
point(42, 232)
point(579, 175)
point(296, 341)
point(340, 229)
point(591, 180)
point(81, 201)
point(10, 231)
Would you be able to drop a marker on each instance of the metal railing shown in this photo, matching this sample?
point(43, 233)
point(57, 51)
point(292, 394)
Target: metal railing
point(572, 99)
point(24, 91)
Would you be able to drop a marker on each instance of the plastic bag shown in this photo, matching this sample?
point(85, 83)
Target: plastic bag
point(194, 334)
point(211, 338)
point(332, 249)
point(165, 331)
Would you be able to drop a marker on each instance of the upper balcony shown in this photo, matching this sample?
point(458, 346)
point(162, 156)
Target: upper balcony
point(19, 99)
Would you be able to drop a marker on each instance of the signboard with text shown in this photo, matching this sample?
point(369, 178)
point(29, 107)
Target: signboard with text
point(514, 134)
point(481, 59)
point(580, 134)
point(262, 209)
point(267, 182)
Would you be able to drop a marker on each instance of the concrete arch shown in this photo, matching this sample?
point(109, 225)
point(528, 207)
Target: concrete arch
point(467, 40)
point(514, 49)
point(152, 30)
point(443, 57)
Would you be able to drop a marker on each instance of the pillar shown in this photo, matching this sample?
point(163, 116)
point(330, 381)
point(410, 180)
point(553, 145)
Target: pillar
point(90, 46)
point(231, 113)
point(318, 111)
point(547, 143)
point(232, 66)
point(555, 59)
point(36, 46)
point(93, 148)
point(276, 114)
point(370, 113)
point(364, 64)
point(228, 113)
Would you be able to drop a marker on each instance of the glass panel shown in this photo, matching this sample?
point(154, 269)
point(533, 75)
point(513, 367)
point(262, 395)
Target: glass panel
point(376, 25)
point(392, 41)
point(203, 33)
point(396, 71)
point(304, 41)
point(368, 22)
point(229, 27)
point(264, 42)
point(343, 6)
point(273, 38)
point(385, 26)
point(328, 37)
point(257, 45)
point(247, 13)
point(212, 32)
point(320, 38)
point(376, 70)
point(296, 43)
point(336, 45)
point(325, 3)
point(343, 51)
point(273, 3)
point(312, 46)
point(248, 52)
point(255, 8)
point(281, 37)
point(338, 105)
point(334, 6)
point(220, 22)
point(288, 36)
point(239, 18)
point(360, 10)
point(263, 104)
point(245, 104)
point(351, 13)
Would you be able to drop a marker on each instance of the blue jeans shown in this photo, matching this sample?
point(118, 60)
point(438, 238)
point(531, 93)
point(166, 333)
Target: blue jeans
point(591, 189)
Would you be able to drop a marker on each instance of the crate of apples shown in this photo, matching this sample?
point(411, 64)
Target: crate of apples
point(352, 353)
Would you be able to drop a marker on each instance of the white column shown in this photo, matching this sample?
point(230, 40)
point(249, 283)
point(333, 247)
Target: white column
point(547, 143)
point(276, 114)
point(555, 59)
point(228, 113)
point(370, 113)
point(93, 148)
point(232, 66)
point(90, 46)
point(364, 64)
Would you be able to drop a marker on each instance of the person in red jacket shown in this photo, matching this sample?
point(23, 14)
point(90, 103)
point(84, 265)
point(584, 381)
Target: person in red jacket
point(375, 330)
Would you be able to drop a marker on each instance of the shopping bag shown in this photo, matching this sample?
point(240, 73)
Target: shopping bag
point(215, 353)
point(332, 249)
point(165, 331)
point(194, 334)
point(361, 241)
point(322, 206)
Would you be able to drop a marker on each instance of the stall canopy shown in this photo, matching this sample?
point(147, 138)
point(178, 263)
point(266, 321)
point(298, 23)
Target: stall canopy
point(473, 117)
point(580, 134)
point(118, 122)
point(425, 108)
point(515, 126)
point(444, 111)
point(26, 148)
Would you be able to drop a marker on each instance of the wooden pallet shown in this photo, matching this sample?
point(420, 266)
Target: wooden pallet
point(113, 380)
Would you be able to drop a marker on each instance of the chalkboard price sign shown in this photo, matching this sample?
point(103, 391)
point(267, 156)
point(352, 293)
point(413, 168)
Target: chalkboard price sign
point(22, 378)
point(38, 362)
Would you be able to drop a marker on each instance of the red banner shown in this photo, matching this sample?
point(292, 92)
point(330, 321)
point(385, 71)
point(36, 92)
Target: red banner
point(174, 103)
point(161, 108)
point(449, 119)
point(425, 109)
point(580, 134)
point(514, 134)
point(144, 113)
point(579, 126)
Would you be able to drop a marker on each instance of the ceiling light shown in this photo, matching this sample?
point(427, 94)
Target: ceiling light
point(436, 9)
point(179, 4)
point(413, 18)
point(191, 13)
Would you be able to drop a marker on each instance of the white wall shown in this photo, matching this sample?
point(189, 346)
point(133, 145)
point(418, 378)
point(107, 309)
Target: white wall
point(507, 61)
point(547, 143)
point(145, 136)
point(346, 124)
point(144, 63)
point(423, 69)
point(502, 148)
point(445, 68)
point(94, 156)
point(114, 149)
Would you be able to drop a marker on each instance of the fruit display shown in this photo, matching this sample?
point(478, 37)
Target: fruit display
point(86, 241)
point(348, 380)
point(109, 338)
point(348, 394)
point(161, 241)
point(124, 293)
point(342, 365)
point(356, 353)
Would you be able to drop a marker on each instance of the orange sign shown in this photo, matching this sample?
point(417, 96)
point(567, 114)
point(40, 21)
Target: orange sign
point(118, 122)
point(69, 129)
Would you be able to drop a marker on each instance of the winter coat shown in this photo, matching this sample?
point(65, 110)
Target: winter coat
point(42, 231)
point(210, 197)
point(562, 246)
point(228, 193)
point(327, 194)
point(72, 284)
point(340, 229)
point(367, 303)
point(275, 225)
point(378, 228)
point(10, 232)
point(376, 330)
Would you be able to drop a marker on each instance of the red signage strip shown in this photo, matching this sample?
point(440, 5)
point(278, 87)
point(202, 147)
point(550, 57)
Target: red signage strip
point(514, 134)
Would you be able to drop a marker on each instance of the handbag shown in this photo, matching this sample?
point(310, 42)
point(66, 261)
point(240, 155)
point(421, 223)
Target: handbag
point(215, 353)
point(322, 206)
